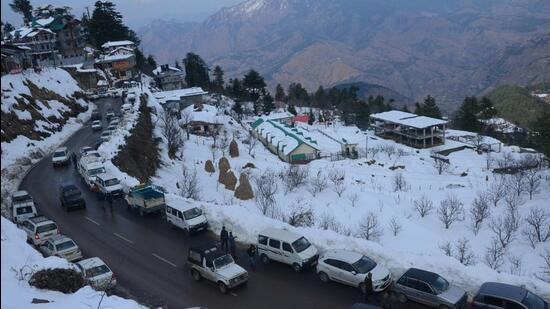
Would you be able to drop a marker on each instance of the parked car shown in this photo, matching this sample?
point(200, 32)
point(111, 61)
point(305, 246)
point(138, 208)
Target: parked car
point(96, 115)
point(211, 264)
point(495, 295)
point(96, 125)
point(105, 136)
point(126, 107)
point(186, 216)
point(286, 247)
point(111, 128)
point(351, 268)
point(146, 198)
point(98, 143)
point(114, 122)
point(109, 114)
point(70, 197)
point(61, 156)
point(108, 184)
point(430, 289)
point(84, 150)
point(39, 229)
point(22, 206)
point(88, 168)
point(97, 273)
point(61, 246)
point(93, 154)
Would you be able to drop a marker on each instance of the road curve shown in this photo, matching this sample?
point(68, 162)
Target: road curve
point(147, 255)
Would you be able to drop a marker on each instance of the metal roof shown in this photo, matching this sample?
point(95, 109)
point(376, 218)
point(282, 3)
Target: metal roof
point(408, 119)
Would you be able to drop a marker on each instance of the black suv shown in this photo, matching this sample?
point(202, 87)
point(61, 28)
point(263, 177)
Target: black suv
point(71, 197)
point(495, 295)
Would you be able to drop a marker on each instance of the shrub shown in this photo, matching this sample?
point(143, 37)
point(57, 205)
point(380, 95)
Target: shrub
point(57, 279)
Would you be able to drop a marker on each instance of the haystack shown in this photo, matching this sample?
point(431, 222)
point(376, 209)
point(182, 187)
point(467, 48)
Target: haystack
point(233, 149)
point(209, 166)
point(244, 190)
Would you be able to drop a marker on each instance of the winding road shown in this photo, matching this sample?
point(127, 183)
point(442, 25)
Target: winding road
point(148, 256)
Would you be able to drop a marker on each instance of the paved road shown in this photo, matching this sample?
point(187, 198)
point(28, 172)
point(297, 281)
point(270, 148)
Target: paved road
point(147, 256)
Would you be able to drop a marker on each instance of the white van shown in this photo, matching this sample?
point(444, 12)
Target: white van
point(89, 167)
point(22, 206)
point(109, 184)
point(186, 216)
point(286, 247)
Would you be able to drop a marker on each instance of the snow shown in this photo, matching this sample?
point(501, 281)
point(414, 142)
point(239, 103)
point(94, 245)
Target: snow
point(408, 119)
point(278, 116)
point(111, 58)
point(20, 258)
point(158, 70)
point(175, 95)
point(117, 43)
point(208, 113)
point(44, 21)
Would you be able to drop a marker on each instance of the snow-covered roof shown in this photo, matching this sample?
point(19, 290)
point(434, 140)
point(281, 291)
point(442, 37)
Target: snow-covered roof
point(283, 137)
point(276, 116)
point(117, 43)
point(158, 70)
point(44, 21)
point(408, 119)
point(281, 234)
point(29, 32)
point(207, 114)
point(171, 95)
point(112, 58)
point(102, 82)
point(126, 49)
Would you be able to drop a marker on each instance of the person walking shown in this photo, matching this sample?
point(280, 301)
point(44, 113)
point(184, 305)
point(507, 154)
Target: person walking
point(251, 252)
point(73, 158)
point(224, 238)
point(368, 287)
point(232, 249)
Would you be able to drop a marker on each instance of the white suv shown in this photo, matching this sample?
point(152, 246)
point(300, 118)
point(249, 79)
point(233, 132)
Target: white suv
point(286, 247)
point(97, 273)
point(22, 206)
point(61, 156)
point(351, 268)
point(61, 246)
point(39, 229)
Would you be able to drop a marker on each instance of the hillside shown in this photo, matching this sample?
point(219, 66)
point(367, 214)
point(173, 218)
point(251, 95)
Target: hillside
point(366, 90)
point(517, 105)
point(416, 48)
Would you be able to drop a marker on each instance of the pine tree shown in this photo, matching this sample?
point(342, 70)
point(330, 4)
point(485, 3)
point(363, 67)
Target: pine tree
point(254, 84)
point(320, 98)
point(466, 117)
point(7, 28)
point(268, 105)
point(22, 7)
point(280, 93)
point(106, 25)
point(292, 109)
point(151, 62)
point(238, 108)
point(429, 108)
point(177, 65)
point(218, 82)
point(406, 109)
point(487, 110)
point(196, 71)
point(311, 118)
point(541, 129)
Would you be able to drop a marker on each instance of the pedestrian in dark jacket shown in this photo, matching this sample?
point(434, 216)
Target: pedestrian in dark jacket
point(251, 252)
point(224, 238)
point(73, 157)
point(232, 248)
point(368, 287)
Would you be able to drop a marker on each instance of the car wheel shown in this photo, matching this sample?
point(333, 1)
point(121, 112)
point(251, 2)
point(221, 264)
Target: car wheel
point(222, 287)
point(296, 267)
point(323, 277)
point(196, 275)
point(265, 259)
point(402, 298)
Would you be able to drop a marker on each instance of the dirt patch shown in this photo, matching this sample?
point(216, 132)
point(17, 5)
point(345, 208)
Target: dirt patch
point(140, 157)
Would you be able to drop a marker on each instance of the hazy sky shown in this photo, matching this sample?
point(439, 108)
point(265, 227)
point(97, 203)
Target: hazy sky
point(135, 12)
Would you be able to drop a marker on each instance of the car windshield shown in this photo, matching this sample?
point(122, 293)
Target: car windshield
point(97, 271)
point(96, 171)
point(440, 285)
point(301, 244)
point(192, 213)
point(364, 265)
point(65, 245)
point(532, 301)
point(46, 228)
point(59, 154)
point(223, 261)
point(24, 210)
point(22, 198)
point(111, 182)
point(71, 191)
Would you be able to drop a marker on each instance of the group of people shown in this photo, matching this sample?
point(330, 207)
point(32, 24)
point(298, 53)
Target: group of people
point(227, 240)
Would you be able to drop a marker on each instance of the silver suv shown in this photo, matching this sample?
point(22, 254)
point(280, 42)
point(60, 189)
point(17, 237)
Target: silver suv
point(430, 289)
point(61, 246)
point(39, 229)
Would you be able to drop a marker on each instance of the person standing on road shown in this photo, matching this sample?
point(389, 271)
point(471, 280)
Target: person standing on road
point(232, 248)
point(251, 252)
point(224, 238)
point(73, 158)
point(368, 287)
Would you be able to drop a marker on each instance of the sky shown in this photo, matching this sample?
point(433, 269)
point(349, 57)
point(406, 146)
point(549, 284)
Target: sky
point(136, 13)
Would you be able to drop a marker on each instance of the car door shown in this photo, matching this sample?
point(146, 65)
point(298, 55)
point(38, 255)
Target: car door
point(488, 302)
point(47, 249)
point(425, 294)
point(346, 273)
point(181, 220)
point(287, 253)
point(274, 247)
point(408, 287)
point(208, 270)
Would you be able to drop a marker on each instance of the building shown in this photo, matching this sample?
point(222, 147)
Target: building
point(14, 58)
point(288, 143)
point(69, 39)
point(202, 119)
point(120, 67)
point(113, 45)
point(41, 44)
point(179, 99)
point(169, 78)
point(409, 129)
point(282, 117)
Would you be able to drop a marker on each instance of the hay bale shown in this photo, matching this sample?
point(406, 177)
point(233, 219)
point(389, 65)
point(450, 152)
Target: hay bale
point(233, 149)
point(244, 190)
point(209, 166)
point(222, 176)
point(249, 165)
point(230, 180)
point(223, 164)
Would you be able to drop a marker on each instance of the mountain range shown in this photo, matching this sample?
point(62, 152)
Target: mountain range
point(446, 48)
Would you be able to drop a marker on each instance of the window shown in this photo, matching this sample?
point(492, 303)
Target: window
point(331, 262)
point(180, 215)
point(423, 287)
point(513, 305)
point(532, 301)
point(46, 228)
point(493, 301)
point(262, 240)
point(287, 247)
point(168, 209)
point(345, 266)
point(194, 256)
point(50, 246)
point(274, 243)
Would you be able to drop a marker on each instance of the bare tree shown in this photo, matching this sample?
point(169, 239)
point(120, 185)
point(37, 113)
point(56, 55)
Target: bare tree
point(318, 183)
point(545, 273)
point(479, 211)
point(440, 164)
point(353, 198)
point(478, 141)
point(516, 264)
point(338, 177)
point(399, 182)
point(294, 177)
point(223, 142)
point(251, 142)
point(266, 188)
point(532, 182)
point(172, 133)
point(189, 184)
point(389, 149)
point(497, 192)
point(504, 229)
point(537, 228)
point(423, 206)
point(446, 248)
point(301, 216)
point(513, 202)
point(517, 182)
point(395, 226)
point(369, 227)
point(329, 222)
point(450, 210)
point(494, 254)
point(463, 252)
point(186, 118)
